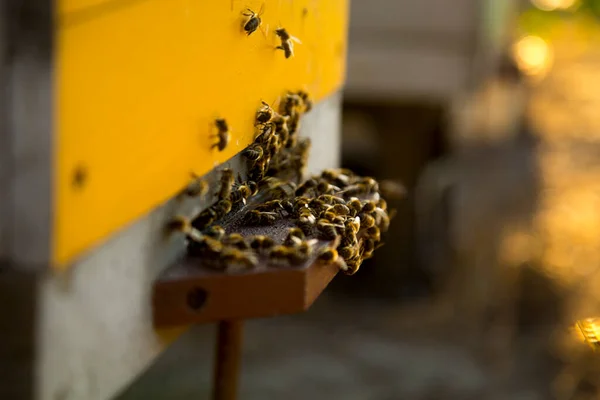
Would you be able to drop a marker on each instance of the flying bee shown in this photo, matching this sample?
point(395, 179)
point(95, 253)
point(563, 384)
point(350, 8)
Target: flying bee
point(327, 230)
point(223, 134)
point(254, 152)
point(294, 237)
point(366, 220)
point(329, 256)
point(253, 22)
point(198, 187)
point(255, 217)
point(392, 190)
point(287, 44)
point(234, 257)
point(281, 129)
point(227, 180)
point(308, 103)
point(243, 192)
point(215, 232)
point(261, 243)
point(306, 186)
point(235, 240)
point(300, 157)
point(293, 125)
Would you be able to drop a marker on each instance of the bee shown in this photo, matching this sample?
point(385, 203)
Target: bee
point(340, 209)
point(281, 190)
point(306, 221)
point(353, 265)
point(308, 103)
point(355, 206)
point(369, 207)
point(280, 255)
point(243, 192)
point(265, 133)
point(381, 203)
point(215, 232)
point(223, 134)
point(301, 252)
point(347, 252)
point(300, 155)
point(206, 247)
point(227, 180)
point(287, 44)
point(261, 243)
point(336, 176)
point(266, 114)
point(366, 220)
point(335, 219)
point(205, 218)
point(236, 258)
point(329, 256)
point(374, 233)
point(349, 237)
point(293, 125)
point(254, 152)
point(353, 223)
point(180, 224)
point(294, 237)
point(331, 199)
point(253, 22)
point(392, 189)
point(306, 186)
point(327, 188)
point(198, 187)
point(290, 103)
point(327, 230)
point(235, 240)
point(255, 217)
point(222, 208)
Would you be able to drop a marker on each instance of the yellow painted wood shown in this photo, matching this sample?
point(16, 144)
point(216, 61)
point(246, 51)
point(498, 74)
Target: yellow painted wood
point(139, 85)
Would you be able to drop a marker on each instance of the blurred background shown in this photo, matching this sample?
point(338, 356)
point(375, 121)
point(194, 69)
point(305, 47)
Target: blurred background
point(487, 111)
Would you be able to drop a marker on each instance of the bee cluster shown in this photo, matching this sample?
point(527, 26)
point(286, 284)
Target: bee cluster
point(336, 217)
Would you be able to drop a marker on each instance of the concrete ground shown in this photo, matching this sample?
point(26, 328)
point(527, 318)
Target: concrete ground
point(349, 351)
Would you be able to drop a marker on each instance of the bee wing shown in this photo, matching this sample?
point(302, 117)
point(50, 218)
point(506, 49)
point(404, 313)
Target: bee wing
point(295, 39)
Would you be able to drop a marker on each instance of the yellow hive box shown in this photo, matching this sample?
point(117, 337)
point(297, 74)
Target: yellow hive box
point(139, 84)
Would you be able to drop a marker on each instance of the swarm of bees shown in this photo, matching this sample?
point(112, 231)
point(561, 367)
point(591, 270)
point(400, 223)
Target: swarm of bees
point(335, 218)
